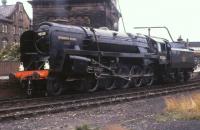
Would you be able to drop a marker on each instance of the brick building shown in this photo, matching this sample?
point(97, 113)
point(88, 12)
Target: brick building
point(13, 21)
point(92, 13)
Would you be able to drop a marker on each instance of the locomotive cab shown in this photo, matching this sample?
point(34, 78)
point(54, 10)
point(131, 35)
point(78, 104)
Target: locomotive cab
point(163, 52)
point(163, 48)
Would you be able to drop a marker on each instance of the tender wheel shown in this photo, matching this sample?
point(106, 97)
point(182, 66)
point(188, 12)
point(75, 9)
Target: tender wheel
point(137, 81)
point(179, 77)
point(122, 82)
point(186, 76)
point(149, 80)
point(54, 87)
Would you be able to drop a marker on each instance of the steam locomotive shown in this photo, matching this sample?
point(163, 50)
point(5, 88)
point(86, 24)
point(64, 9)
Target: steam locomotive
point(56, 55)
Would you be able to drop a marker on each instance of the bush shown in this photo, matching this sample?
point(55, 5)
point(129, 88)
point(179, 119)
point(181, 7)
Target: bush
point(10, 53)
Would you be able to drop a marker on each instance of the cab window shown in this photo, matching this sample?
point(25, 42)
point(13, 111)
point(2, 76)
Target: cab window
point(163, 47)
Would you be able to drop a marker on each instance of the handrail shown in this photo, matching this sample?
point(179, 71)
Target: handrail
point(149, 30)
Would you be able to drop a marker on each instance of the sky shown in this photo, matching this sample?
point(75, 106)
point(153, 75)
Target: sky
point(182, 17)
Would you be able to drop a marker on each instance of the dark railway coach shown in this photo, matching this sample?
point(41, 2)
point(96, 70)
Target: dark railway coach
point(62, 55)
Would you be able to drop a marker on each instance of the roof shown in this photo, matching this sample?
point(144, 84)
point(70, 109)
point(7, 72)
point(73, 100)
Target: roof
point(4, 18)
point(194, 44)
point(64, 1)
point(7, 10)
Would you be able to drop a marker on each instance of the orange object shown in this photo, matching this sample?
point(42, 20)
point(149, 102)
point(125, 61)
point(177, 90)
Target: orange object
point(42, 74)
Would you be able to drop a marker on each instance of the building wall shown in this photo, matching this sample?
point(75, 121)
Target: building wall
point(18, 23)
point(96, 13)
point(6, 35)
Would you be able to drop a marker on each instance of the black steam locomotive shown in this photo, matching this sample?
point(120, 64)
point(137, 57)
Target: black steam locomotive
point(91, 58)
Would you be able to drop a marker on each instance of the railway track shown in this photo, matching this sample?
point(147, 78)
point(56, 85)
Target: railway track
point(61, 105)
point(9, 102)
point(19, 101)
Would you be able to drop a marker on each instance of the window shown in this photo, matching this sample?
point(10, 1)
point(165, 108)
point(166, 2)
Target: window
point(26, 29)
point(14, 17)
point(4, 42)
point(14, 30)
point(20, 7)
point(21, 16)
point(4, 28)
point(159, 47)
point(163, 47)
point(20, 30)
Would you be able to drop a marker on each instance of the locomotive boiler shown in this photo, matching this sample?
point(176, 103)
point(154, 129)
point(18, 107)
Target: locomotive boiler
point(58, 55)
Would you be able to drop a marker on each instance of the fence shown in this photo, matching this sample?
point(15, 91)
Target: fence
point(7, 67)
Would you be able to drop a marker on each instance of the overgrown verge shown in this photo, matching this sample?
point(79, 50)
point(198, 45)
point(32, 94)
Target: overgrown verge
point(185, 107)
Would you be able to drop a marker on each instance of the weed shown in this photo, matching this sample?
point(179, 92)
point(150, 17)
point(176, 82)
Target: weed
point(108, 127)
point(85, 127)
point(185, 107)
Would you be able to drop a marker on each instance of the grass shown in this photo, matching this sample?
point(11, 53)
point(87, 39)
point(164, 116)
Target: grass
point(108, 127)
point(185, 107)
point(84, 127)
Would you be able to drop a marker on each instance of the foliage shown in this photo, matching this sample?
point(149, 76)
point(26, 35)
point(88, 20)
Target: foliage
point(10, 53)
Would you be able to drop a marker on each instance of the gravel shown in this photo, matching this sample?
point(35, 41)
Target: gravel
point(135, 115)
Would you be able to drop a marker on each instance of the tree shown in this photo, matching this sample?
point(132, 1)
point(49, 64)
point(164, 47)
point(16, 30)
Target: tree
point(10, 53)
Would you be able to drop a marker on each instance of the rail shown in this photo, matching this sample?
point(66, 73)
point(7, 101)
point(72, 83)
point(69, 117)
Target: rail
point(62, 104)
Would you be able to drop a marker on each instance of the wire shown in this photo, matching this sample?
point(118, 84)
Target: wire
point(121, 16)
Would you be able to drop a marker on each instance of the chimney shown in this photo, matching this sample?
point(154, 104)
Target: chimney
point(4, 2)
point(180, 39)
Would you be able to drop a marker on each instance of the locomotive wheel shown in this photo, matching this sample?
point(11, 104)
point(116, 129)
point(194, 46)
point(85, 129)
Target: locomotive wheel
point(150, 79)
point(94, 86)
point(122, 83)
point(54, 87)
point(109, 84)
point(89, 84)
point(137, 70)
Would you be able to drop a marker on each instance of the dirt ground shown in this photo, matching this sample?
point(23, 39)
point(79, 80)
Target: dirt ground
point(135, 115)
